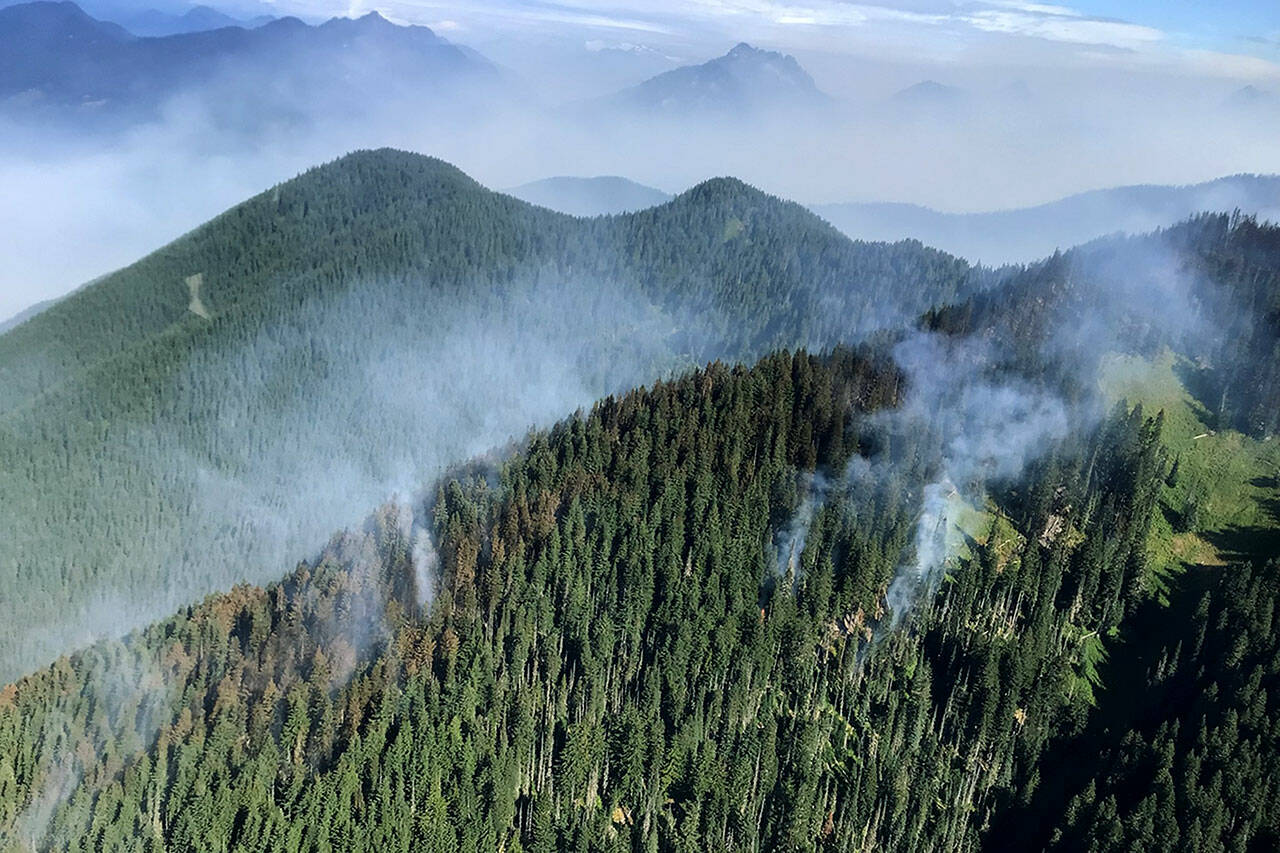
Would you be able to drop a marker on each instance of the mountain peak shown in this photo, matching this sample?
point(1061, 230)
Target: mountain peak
point(742, 81)
point(733, 195)
point(929, 89)
point(374, 24)
point(57, 19)
point(393, 164)
point(747, 53)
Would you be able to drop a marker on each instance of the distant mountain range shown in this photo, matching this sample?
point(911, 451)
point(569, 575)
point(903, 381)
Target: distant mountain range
point(930, 95)
point(997, 237)
point(1025, 234)
point(590, 196)
point(55, 56)
point(746, 81)
point(154, 22)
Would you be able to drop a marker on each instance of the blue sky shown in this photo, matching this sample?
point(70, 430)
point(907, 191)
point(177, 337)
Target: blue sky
point(1220, 24)
point(1242, 15)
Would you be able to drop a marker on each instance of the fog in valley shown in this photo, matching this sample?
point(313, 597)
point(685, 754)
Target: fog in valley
point(995, 122)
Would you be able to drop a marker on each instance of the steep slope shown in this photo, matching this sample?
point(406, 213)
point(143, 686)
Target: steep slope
point(223, 404)
point(599, 196)
point(1187, 755)
point(612, 658)
point(670, 623)
point(1023, 235)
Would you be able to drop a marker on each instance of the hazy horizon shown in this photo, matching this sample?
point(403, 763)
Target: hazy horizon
point(1035, 103)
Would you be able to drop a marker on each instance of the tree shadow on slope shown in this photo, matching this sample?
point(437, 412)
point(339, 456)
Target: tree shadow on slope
point(1126, 702)
point(1244, 543)
point(1205, 388)
point(1075, 755)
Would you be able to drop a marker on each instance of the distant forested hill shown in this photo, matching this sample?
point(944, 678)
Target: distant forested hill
point(590, 196)
point(1028, 234)
point(1208, 288)
point(222, 405)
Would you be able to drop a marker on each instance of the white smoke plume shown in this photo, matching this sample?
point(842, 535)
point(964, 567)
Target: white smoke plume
point(426, 566)
point(789, 543)
point(989, 429)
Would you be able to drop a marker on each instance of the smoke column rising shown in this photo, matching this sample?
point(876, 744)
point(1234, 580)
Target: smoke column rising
point(989, 429)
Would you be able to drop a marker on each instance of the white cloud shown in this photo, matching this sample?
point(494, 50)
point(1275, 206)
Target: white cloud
point(1035, 8)
point(1057, 26)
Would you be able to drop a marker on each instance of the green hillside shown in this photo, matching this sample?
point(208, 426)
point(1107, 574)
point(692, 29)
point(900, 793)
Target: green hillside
point(1223, 483)
point(674, 620)
point(610, 659)
point(1184, 747)
point(218, 408)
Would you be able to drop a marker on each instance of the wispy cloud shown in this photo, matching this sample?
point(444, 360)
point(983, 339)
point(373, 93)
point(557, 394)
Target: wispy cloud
point(1055, 23)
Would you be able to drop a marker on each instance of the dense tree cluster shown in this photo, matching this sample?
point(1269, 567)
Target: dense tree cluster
point(662, 623)
point(131, 424)
point(612, 657)
point(1209, 288)
point(1197, 766)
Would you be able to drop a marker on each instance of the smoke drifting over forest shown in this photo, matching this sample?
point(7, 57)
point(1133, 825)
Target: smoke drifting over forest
point(984, 423)
point(371, 402)
point(448, 387)
point(348, 504)
point(988, 430)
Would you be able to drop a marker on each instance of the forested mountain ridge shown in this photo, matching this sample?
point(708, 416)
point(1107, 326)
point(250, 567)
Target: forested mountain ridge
point(360, 211)
point(1216, 280)
point(674, 621)
point(372, 200)
point(155, 417)
point(1184, 746)
point(613, 658)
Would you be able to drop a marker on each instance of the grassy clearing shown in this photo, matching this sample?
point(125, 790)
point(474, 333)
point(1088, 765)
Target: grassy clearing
point(981, 524)
point(1223, 494)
